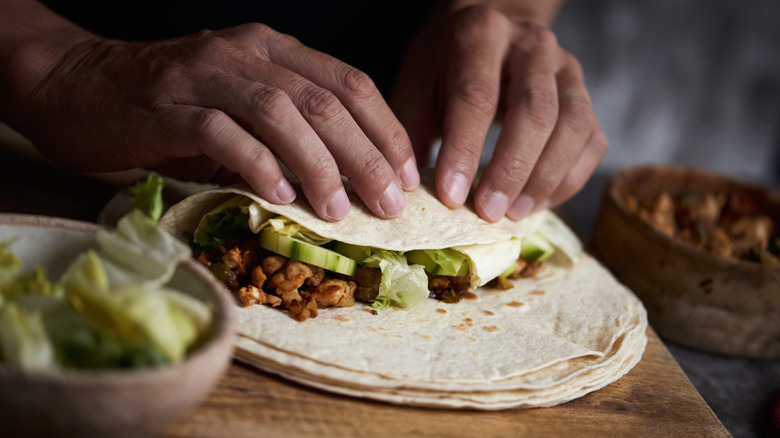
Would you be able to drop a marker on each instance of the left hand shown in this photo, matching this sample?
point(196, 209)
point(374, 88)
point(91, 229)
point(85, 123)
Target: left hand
point(476, 64)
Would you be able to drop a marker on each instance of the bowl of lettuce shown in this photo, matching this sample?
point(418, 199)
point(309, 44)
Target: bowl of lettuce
point(105, 332)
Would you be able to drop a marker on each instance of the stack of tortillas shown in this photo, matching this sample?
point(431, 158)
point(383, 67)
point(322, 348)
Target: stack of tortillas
point(570, 330)
point(544, 342)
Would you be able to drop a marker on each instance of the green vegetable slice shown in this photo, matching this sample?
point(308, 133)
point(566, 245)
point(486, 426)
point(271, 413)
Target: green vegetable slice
point(306, 252)
point(535, 247)
point(445, 261)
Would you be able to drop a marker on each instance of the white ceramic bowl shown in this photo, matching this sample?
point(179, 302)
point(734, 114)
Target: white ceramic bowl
point(107, 403)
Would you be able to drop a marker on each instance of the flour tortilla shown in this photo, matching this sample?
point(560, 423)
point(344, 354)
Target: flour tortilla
point(571, 330)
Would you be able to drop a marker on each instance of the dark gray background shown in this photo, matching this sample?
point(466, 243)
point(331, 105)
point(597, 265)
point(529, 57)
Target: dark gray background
point(694, 82)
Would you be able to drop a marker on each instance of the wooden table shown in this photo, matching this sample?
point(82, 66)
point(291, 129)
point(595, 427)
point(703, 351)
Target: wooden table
point(654, 399)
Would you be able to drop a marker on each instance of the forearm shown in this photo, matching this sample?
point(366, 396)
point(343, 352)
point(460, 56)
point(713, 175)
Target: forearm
point(541, 11)
point(32, 40)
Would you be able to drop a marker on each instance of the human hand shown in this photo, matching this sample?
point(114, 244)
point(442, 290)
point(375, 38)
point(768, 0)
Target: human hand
point(220, 102)
point(476, 64)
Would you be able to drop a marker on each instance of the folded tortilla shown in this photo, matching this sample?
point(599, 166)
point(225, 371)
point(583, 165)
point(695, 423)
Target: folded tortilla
point(570, 330)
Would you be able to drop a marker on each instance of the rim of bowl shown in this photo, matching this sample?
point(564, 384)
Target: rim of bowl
point(615, 189)
point(225, 312)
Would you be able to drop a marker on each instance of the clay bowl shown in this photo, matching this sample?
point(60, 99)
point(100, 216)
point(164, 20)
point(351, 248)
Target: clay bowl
point(693, 297)
point(106, 403)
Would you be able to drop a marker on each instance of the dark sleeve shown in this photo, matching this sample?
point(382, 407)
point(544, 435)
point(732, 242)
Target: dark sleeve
point(370, 35)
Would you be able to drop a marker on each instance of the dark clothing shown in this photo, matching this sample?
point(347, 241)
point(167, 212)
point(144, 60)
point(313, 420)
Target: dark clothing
point(370, 35)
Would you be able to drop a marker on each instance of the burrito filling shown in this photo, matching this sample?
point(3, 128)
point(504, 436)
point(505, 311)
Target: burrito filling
point(265, 258)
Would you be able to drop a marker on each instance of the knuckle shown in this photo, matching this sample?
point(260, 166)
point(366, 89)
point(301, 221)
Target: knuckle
point(400, 141)
point(544, 181)
point(210, 123)
point(266, 101)
point(371, 164)
point(515, 171)
point(320, 103)
point(321, 167)
point(544, 36)
point(481, 17)
point(479, 95)
point(212, 46)
point(570, 62)
point(258, 29)
point(357, 83)
point(578, 112)
point(258, 159)
point(542, 106)
point(164, 73)
point(463, 151)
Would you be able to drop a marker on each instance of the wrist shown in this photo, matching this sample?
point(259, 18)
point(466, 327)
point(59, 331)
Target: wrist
point(33, 40)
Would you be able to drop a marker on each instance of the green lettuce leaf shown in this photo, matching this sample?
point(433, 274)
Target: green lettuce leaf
point(10, 265)
point(80, 342)
point(446, 261)
point(24, 343)
point(169, 319)
point(403, 286)
point(147, 196)
point(87, 290)
point(230, 220)
point(140, 251)
point(169, 326)
point(286, 226)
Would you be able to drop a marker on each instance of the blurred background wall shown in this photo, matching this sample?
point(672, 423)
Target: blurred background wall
point(694, 82)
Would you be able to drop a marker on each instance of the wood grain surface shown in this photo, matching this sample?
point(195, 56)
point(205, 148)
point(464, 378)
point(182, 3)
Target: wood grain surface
point(654, 399)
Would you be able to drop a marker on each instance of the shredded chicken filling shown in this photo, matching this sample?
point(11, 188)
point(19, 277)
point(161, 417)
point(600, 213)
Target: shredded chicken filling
point(258, 276)
point(728, 224)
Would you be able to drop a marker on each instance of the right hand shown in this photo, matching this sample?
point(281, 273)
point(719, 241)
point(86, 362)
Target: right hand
point(239, 98)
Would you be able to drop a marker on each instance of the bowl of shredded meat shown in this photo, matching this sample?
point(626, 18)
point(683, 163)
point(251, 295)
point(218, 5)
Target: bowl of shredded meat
point(702, 251)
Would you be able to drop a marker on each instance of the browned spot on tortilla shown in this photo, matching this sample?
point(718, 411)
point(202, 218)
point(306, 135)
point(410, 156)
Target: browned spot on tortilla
point(488, 312)
point(371, 311)
point(373, 329)
point(468, 295)
point(515, 304)
point(426, 337)
point(469, 320)
point(441, 310)
point(538, 292)
point(490, 328)
point(341, 318)
point(461, 327)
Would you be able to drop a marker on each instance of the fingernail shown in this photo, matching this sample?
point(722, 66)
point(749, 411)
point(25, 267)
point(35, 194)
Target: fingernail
point(285, 191)
point(338, 206)
point(410, 177)
point(393, 201)
point(494, 205)
point(457, 188)
point(521, 208)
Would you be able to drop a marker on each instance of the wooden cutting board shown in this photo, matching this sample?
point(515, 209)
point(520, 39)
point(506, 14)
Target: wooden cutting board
point(654, 399)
